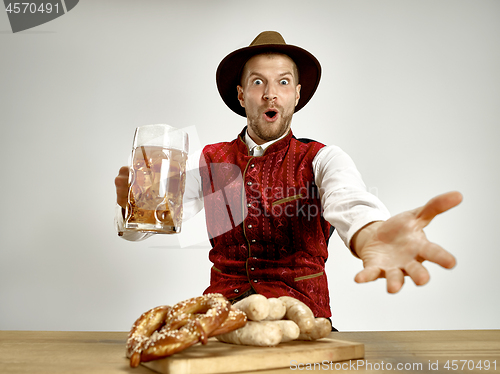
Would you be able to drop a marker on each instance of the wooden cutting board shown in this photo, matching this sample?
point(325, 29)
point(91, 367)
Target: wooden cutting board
point(217, 357)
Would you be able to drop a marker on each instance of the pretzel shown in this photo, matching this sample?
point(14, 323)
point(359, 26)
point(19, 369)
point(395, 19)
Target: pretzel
point(163, 331)
point(234, 321)
point(142, 329)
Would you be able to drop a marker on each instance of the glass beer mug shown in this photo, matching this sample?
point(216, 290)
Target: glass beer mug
point(157, 179)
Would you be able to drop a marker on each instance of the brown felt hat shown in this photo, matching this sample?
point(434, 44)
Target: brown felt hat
point(230, 69)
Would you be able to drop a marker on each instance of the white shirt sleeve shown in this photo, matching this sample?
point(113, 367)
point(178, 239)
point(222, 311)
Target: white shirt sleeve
point(347, 205)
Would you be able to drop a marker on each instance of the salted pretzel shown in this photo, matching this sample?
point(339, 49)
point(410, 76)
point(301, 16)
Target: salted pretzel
point(163, 331)
point(142, 329)
point(234, 321)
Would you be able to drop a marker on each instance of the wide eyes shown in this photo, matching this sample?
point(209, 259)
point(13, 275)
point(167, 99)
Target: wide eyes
point(258, 82)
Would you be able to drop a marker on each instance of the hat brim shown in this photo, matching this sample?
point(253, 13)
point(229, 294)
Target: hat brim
point(230, 69)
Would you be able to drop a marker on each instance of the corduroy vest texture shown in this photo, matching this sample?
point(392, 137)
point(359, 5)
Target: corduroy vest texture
point(265, 223)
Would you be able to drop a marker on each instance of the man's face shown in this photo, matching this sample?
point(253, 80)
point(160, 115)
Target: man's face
point(269, 93)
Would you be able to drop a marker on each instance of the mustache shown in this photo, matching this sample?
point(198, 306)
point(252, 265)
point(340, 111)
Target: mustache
point(272, 108)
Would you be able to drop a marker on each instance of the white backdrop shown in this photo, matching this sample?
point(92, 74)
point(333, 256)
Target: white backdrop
point(410, 89)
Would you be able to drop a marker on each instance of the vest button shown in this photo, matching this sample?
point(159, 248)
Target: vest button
point(252, 269)
point(249, 183)
point(236, 290)
point(249, 205)
point(255, 280)
point(249, 226)
point(253, 240)
point(252, 166)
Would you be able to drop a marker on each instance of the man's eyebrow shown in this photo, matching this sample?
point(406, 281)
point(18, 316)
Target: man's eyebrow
point(251, 73)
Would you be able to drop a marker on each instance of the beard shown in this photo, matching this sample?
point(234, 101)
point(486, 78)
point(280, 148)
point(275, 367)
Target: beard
point(268, 131)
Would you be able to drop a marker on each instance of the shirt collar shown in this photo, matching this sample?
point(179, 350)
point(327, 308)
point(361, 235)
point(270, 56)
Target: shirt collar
point(258, 150)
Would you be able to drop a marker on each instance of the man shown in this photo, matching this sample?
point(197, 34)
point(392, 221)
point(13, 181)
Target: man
point(295, 192)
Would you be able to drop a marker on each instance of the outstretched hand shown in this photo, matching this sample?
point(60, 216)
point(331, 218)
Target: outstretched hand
point(397, 247)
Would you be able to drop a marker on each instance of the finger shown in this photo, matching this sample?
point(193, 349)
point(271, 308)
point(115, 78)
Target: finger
point(368, 274)
point(122, 201)
point(121, 183)
point(395, 280)
point(418, 273)
point(124, 170)
point(121, 179)
point(435, 253)
point(438, 205)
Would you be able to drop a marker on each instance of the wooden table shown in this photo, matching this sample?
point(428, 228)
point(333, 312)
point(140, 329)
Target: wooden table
point(405, 351)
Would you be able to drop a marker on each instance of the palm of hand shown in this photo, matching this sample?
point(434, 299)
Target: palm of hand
point(398, 246)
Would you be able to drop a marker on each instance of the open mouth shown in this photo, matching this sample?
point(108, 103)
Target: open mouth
point(271, 114)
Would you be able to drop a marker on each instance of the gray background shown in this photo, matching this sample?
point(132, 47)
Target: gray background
point(410, 90)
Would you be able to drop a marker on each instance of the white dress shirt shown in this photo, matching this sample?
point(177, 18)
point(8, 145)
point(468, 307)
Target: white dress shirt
point(347, 205)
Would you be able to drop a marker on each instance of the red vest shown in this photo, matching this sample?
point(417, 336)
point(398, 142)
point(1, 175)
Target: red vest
point(265, 223)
